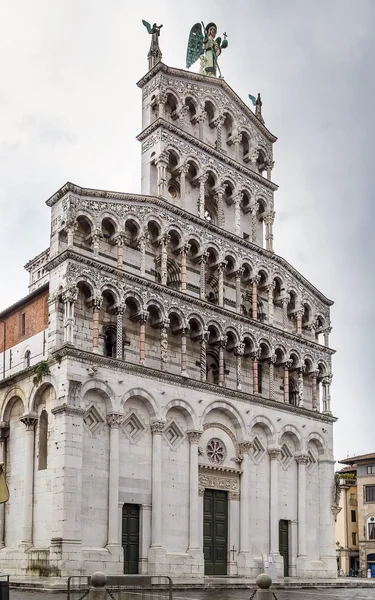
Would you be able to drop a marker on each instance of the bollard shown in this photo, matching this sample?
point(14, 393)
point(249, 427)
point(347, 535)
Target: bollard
point(264, 582)
point(97, 587)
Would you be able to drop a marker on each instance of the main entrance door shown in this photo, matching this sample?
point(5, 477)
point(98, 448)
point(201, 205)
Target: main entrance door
point(284, 544)
point(130, 537)
point(215, 532)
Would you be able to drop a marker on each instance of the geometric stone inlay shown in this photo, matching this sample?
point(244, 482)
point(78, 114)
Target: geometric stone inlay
point(311, 461)
point(133, 427)
point(173, 435)
point(257, 450)
point(216, 451)
point(285, 456)
point(93, 419)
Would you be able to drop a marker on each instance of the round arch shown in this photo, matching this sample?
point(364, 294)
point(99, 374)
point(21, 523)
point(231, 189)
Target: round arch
point(231, 412)
point(143, 395)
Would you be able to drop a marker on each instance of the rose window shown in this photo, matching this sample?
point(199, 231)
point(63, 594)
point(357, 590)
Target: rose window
point(216, 451)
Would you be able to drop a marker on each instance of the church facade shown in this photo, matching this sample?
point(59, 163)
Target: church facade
point(165, 399)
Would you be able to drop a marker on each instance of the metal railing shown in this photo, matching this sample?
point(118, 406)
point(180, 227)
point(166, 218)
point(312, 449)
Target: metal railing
point(123, 587)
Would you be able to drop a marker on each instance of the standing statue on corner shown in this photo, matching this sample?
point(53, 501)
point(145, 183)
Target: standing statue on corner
point(154, 55)
point(202, 43)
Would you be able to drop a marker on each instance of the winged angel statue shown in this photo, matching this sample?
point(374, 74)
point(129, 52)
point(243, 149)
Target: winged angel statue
point(202, 43)
point(154, 55)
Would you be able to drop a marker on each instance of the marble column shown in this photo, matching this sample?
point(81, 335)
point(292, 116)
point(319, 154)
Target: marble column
point(299, 314)
point(326, 519)
point(314, 376)
point(239, 352)
point(4, 435)
point(254, 210)
point(69, 297)
point(244, 449)
point(164, 259)
point(300, 385)
point(96, 237)
point(200, 120)
point(114, 421)
point(202, 262)
point(157, 428)
point(326, 333)
point(119, 334)
point(255, 374)
point(202, 190)
point(194, 545)
point(164, 344)
point(271, 362)
point(96, 303)
point(30, 422)
point(237, 213)
point(302, 460)
point(274, 454)
point(326, 381)
point(120, 241)
point(269, 220)
point(203, 361)
point(254, 297)
point(287, 365)
point(184, 251)
point(184, 334)
point(236, 140)
point(270, 289)
point(285, 301)
point(183, 172)
point(161, 164)
point(222, 346)
point(221, 268)
point(218, 124)
point(142, 337)
point(219, 196)
point(142, 240)
point(238, 275)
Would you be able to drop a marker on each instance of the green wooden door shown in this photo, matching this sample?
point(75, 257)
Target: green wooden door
point(215, 532)
point(130, 537)
point(284, 544)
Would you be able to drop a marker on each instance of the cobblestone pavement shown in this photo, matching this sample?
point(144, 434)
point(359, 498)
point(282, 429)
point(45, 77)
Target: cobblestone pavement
point(320, 594)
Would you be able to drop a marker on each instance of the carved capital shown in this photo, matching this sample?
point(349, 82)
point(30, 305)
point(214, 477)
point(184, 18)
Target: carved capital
point(255, 280)
point(302, 459)
point(244, 447)
point(157, 427)
point(115, 420)
point(239, 349)
point(30, 420)
point(70, 294)
point(194, 436)
point(274, 453)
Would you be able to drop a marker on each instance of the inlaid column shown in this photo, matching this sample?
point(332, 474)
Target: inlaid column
point(222, 346)
point(326, 333)
point(202, 191)
point(203, 361)
point(302, 460)
point(164, 344)
point(238, 275)
point(239, 352)
point(142, 337)
point(314, 376)
point(244, 449)
point(142, 247)
point(202, 266)
point(119, 331)
point(271, 362)
point(184, 251)
point(96, 303)
point(254, 297)
point(285, 301)
point(270, 289)
point(157, 428)
point(184, 169)
point(4, 435)
point(299, 314)
point(221, 268)
point(194, 538)
point(30, 422)
point(161, 164)
point(114, 421)
point(326, 382)
point(254, 207)
point(237, 213)
point(95, 243)
point(164, 259)
point(120, 241)
point(269, 220)
point(300, 385)
point(287, 366)
point(219, 124)
point(274, 500)
point(69, 297)
point(184, 334)
point(255, 372)
point(219, 196)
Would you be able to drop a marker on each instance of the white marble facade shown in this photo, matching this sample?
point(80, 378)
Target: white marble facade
point(184, 355)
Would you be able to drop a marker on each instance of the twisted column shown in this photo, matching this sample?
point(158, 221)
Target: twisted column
point(194, 538)
point(184, 251)
point(95, 242)
point(30, 422)
point(142, 247)
point(157, 428)
point(202, 265)
point(254, 297)
point(254, 207)
point(203, 361)
point(220, 206)
point(218, 124)
point(221, 268)
point(119, 335)
point(239, 352)
point(271, 362)
point(164, 344)
point(114, 421)
point(300, 385)
point(237, 213)
point(164, 259)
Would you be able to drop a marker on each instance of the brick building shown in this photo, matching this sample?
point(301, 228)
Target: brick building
point(174, 413)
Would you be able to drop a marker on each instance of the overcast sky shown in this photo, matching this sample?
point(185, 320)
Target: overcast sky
point(70, 110)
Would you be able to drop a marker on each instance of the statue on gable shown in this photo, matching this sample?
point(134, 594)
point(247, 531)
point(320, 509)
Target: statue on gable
point(203, 43)
point(154, 55)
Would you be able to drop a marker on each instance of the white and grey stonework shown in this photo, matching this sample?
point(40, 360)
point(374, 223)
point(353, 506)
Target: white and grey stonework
point(184, 356)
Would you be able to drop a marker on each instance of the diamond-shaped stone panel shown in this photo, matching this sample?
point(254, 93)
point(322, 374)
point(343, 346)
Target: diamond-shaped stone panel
point(286, 456)
point(93, 420)
point(133, 427)
point(173, 435)
point(257, 450)
point(312, 462)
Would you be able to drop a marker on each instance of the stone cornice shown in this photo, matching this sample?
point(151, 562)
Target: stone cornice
point(219, 469)
point(197, 77)
point(160, 122)
point(114, 270)
point(118, 196)
point(84, 356)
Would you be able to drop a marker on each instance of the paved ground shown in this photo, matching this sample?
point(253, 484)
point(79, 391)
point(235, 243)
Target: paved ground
point(321, 594)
